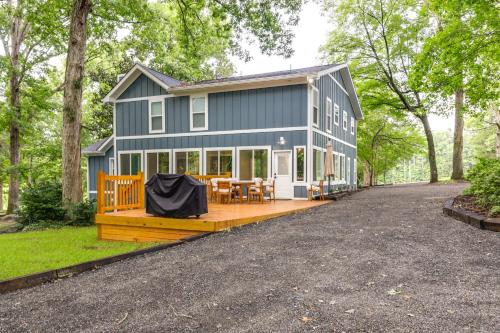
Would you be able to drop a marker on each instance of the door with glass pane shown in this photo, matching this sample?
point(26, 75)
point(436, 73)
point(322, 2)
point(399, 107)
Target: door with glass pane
point(282, 171)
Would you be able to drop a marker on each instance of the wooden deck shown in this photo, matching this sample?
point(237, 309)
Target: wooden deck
point(137, 226)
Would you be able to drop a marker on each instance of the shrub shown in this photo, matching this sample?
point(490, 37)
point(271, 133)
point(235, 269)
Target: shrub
point(485, 184)
point(41, 207)
point(41, 202)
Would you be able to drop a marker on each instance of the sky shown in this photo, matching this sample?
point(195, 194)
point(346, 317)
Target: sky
point(311, 32)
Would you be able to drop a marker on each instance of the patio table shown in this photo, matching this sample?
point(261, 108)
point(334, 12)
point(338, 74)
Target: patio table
point(243, 184)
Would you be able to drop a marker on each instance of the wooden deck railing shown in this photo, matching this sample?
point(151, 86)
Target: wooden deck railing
point(119, 192)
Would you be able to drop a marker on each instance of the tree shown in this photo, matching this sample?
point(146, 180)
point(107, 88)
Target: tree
point(460, 58)
point(221, 23)
point(382, 39)
point(31, 34)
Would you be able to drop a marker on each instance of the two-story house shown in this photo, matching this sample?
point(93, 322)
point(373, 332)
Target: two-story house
point(265, 125)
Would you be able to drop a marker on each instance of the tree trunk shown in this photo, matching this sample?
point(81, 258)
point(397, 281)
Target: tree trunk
point(458, 137)
point(16, 36)
point(1, 196)
point(497, 120)
point(367, 175)
point(431, 152)
point(72, 102)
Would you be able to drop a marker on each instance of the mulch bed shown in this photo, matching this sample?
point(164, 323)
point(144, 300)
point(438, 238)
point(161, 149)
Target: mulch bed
point(468, 203)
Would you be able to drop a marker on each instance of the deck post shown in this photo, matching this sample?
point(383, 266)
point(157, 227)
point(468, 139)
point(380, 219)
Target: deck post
point(100, 192)
point(141, 190)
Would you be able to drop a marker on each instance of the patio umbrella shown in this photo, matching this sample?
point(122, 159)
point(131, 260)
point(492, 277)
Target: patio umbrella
point(329, 162)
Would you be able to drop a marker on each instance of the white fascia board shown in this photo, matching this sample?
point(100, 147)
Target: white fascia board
point(127, 80)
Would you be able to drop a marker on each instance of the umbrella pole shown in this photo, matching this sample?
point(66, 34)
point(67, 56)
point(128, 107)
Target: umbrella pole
point(328, 184)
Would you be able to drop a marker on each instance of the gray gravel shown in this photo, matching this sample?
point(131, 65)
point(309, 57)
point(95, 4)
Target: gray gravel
point(384, 259)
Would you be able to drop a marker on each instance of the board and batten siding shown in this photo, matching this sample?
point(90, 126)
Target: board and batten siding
point(328, 88)
point(95, 164)
point(142, 87)
point(247, 109)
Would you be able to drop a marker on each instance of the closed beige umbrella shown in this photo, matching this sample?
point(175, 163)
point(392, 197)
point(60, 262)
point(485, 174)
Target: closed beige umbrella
point(329, 162)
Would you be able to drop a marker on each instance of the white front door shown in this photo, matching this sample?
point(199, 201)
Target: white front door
point(282, 171)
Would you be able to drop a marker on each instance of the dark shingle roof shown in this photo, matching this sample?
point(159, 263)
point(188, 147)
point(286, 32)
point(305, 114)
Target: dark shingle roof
point(312, 69)
point(94, 148)
point(168, 80)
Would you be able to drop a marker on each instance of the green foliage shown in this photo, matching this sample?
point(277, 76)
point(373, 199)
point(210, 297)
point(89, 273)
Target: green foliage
point(485, 184)
point(40, 203)
point(41, 207)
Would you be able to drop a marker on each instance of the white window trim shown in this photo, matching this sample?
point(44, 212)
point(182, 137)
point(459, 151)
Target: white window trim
point(147, 151)
point(348, 171)
point(174, 164)
point(205, 128)
point(336, 112)
point(111, 170)
point(352, 125)
point(329, 110)
point(269, 158)
point(322, 162)
point(120, 153)
point(295, 164)
point(156, 100)
point(315, 124)
point(340, 180)
point(344, 120)
point(205, 150)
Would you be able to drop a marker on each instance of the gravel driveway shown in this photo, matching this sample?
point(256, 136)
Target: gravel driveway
point(384, 259)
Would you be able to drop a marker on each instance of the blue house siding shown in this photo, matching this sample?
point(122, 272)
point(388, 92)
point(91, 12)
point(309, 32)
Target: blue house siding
point(141, 87)
point(247, 109)
point(95, 164)
point(328, 88)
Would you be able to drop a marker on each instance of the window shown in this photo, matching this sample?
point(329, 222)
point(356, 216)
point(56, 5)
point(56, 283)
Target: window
point(336, 161)
point(219, 162)
point(111, 166)
point(336, 115)
point(157, 162)
point(300, 164)
point(342, 167)
point(130, 163)
point(316, 165)
point(315, 105)
point(348, 168)
point(328, 115)
point(352, 125)
point(344, 120)
point(187, 162)
point(253, 163)
point(156, 116)
point(199, 113)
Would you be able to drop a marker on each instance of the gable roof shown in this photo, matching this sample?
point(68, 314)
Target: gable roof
point(286, 77)
point(98, 148)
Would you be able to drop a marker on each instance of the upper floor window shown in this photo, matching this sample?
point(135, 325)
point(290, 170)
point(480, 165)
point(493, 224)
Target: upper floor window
point(156, 116)
point(315, 106)
point(199, 113)
point(336, 115)
point(352, 125)
point(328, 115)
point(344, 120)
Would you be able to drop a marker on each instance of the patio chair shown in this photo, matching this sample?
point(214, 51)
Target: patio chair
point(224, 189)
point(213, 190)
point(269, 189)
point(256, 191)
point(311, 189)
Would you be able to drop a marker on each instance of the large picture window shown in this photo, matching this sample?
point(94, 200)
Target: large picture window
point(187, 162)
point(300, 164)
point(156, 116)
point(199, 113)
point(130, 163)
point(157, 162)
point(315, 106)
point(219, 162)
point(253, 163)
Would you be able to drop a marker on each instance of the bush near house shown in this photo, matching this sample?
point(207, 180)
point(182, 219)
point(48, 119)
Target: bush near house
point(485, 184)
point(41, 206)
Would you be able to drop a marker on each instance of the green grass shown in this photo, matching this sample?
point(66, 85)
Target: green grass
point(37, 251)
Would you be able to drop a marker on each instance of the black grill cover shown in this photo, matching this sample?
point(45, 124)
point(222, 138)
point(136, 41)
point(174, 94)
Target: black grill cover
point(175, 196)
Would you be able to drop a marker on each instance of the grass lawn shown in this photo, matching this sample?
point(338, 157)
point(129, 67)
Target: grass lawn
point(37, 251)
